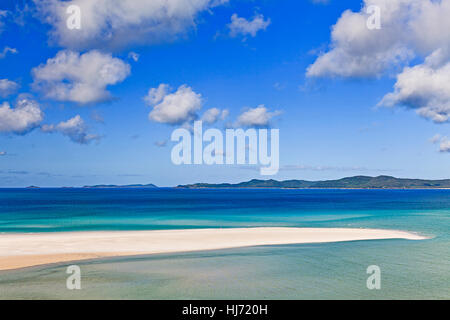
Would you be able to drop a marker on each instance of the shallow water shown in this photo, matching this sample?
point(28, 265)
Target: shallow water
point(409, 269)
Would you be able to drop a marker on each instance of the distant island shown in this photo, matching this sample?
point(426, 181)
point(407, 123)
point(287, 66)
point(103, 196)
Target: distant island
point(128, 186)
point(357, 182)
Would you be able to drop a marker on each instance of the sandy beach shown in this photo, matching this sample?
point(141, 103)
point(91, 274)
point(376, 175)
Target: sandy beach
point(26, 250)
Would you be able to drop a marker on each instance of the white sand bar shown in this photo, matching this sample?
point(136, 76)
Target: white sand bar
point(25, 250)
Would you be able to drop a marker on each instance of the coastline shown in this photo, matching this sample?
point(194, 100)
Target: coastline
point(27, 250)
point(286, 188)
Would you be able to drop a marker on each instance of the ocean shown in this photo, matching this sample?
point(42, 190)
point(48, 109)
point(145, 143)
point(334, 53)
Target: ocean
point(409, 269)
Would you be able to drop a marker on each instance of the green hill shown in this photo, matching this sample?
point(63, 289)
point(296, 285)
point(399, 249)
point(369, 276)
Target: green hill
point(357, 182)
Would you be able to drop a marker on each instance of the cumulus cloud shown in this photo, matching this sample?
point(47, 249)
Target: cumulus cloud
point(77, 78)
point(7, 50)
point(174, 108)
point(411, 30)
point(117, 23)
point(256, 117)
point(24, 117)
point(357, 51)
point(244, 27)
point(7, 87)
point(3, 153)
point(214, 114)
point(74, 128)
point(424, 88)
point(156, 95)
point(408, 28)
point(445, 145)
point(444, 142)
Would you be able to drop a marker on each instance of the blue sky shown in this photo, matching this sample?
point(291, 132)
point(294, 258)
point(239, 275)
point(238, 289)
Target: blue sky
point(330, 119)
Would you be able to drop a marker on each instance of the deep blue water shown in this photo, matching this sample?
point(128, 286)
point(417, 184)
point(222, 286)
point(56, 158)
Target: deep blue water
point(410, 269)
point(50, 210)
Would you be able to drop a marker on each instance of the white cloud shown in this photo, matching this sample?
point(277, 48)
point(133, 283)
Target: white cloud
point(418, 29)
point(357, 51)
point(7, 50)
point(26, 116)
point(77, 78)
point(3, 14)
point(340, 63)
point(408, 28)
point(3, 153)
point(173, 108)
point(444, 142)
point(425, 89)
point(156, 95)
point(256, 117)
point(436, 138)
point(7, 87)
point(74, 128)
point(117, 23)
point(213, 115)
point(134, 56)
point(445, 145)
point(244, 27)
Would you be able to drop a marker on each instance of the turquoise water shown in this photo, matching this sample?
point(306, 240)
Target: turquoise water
point(409, 269)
